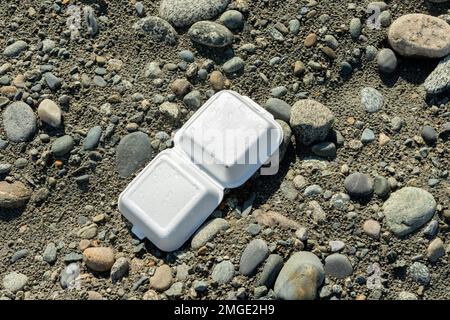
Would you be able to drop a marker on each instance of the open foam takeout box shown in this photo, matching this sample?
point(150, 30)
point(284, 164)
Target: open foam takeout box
point(221, 146)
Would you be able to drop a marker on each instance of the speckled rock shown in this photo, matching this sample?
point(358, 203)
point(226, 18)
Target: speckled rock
point(210, 34)
point(19, 122)
point(157, 29)
point(182, 13)
point(310, 121)
point(408, 209)
point(439, 80)
point(420, 35)
point(13, 195)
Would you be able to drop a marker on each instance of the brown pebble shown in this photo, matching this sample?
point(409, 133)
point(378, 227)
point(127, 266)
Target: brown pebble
point(99, 259)
point(310, 40)
point(162, 279)
point(181, 87)
point(217, 80)
point(372, 228)
point(299, 68)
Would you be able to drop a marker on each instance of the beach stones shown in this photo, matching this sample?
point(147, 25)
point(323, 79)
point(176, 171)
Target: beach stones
point(19, 122)
point(310, 121)
point(420, 35)
point(408, 209)
point(182, 13)
point(210, 34)
point(99, 259)
point(371, 99)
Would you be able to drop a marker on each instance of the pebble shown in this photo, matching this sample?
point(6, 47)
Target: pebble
point(217, 80)
point(408, 209)
point(88, 232)
point(234, 65)
point(5, 168)
point(419, 273)
point(69, 276)
point(157, 29)
point(13, 195)
point(99, 259)
point(20, 254)
point(355, 28)
point(15, 49)
point(338, 265)
point(381, 186)
point(429, 135)
point(182, 13)
point(435, 250)
point(313, 190)
point(62, 146)
point(336, 245)
point(91, 20)
point(170, 110)
point(367, 136)
point(359, 185)
point(14, 282)
point(210, 34)
point(310, 121)
point(92, 138)
point(223, 272)
point(372, 228)
point(287, 134)
point(119, 269)
point(324, 149)
point(50, 253)
point(431, 229)
point(300, 277)
point(208, 231)
point(404, 295)
point(200, 286)
point(19, 122)
point(279, 109)
point(193, 100)
point(371, 99)
point(270, 271)
point(53, 82)
point(420, 35)
point(133, 152)
point(387, 61)
point(175, 290)
point(254, 254)
point(232, 19)
point(439, 80)
point(181, 87)
point(50, 113)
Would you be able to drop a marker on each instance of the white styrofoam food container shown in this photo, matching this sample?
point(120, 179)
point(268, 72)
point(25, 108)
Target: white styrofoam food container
point(221, 146)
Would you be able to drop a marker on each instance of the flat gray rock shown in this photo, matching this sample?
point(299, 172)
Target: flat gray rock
point(371, 99)
point(182, 13)
point(133, 152)
point(19, 122)
point(157, 29)
point(271, 269)
point(14, 282)
point(15, 49)
point(439, 80)
point(408, 209)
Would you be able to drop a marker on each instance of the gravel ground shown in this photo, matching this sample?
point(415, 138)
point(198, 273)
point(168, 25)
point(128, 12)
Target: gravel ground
point(362, 216)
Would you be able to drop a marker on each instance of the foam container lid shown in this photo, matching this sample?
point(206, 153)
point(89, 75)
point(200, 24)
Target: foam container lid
point(221, 146)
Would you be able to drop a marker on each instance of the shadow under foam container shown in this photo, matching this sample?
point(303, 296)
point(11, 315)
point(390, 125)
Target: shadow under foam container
point(215, 150)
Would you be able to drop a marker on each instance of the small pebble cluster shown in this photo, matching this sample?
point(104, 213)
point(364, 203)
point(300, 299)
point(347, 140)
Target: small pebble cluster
point(360, 208)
